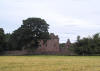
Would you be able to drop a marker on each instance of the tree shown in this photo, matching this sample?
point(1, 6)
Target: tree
point(96, 39)
point(31, 32)
point(2, 39)
point(7, 41)
point(87, 45)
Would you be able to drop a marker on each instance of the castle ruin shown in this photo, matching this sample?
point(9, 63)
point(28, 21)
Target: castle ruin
point(52, 46)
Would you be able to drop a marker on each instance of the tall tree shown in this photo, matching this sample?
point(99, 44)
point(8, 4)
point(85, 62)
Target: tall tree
point(2, 39)
point(30, 33)
point(7, 41)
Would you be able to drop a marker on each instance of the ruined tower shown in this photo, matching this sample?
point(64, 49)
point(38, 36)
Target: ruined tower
point(68, 43)
point(51, 46)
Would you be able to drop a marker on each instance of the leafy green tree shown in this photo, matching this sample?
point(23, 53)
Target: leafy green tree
point(31, 32)
point(2, 39)
point(96, 39)
point(7, 41)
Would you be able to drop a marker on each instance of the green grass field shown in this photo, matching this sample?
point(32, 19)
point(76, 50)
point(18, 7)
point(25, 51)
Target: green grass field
point(49, 63)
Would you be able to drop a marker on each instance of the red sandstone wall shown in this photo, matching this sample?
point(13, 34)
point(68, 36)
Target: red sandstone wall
point(51, 45)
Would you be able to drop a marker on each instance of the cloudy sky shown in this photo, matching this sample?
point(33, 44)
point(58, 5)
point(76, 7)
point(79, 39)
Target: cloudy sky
point(67, 18)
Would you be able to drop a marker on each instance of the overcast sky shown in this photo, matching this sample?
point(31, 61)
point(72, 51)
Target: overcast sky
point(67, 18)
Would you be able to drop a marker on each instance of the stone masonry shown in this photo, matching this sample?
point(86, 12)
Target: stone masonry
point(52, 46)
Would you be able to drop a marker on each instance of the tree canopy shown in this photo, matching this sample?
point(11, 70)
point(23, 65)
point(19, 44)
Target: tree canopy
point(87, 46)
point(33, 30)
point(2, 39)
point(30, 33)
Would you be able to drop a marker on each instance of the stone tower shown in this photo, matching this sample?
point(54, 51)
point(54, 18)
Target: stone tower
point(68, 43)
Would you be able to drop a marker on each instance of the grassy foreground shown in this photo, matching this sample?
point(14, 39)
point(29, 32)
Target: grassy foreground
point(49, 63)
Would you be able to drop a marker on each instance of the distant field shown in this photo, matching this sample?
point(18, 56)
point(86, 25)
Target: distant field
point(49, 63)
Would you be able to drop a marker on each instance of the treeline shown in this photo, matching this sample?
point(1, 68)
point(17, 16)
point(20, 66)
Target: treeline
point(87, 46)
point(27, 36)
point(33, 30)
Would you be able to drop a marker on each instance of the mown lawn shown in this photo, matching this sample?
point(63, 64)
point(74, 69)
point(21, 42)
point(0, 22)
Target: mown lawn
point(49, 63)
